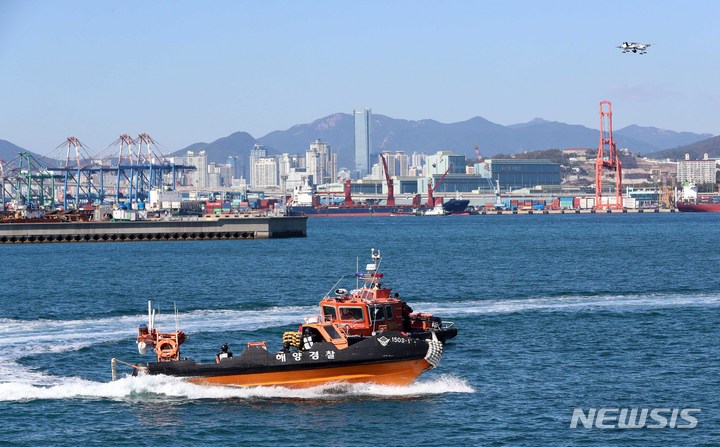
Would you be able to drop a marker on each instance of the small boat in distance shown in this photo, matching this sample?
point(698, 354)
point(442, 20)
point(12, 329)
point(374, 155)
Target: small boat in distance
point(318, 353)
point(373, 308)
point(437, 210)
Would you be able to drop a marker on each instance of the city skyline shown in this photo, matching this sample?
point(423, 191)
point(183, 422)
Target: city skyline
point(191, 72)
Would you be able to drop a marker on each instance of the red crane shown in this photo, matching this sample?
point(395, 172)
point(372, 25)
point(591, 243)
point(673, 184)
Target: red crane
point(390, 184)
point(348, 197)
point(607, 158)
point(479, 155)
point(431, 189)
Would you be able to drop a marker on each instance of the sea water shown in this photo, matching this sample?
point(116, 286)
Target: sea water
point(555, 313)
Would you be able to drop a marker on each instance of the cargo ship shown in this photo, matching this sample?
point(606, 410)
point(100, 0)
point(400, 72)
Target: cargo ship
point(306, 202)
point(694, 202)
point(318, 353)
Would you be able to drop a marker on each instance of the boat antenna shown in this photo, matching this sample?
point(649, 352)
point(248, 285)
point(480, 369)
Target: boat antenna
point(177, 327)
point(357, 271)
point(150, 328)
point(378, 259)
point(333, 287)
point(177, 318)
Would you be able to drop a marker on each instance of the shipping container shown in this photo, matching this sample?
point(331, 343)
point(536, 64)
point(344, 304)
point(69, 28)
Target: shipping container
point(587, 203)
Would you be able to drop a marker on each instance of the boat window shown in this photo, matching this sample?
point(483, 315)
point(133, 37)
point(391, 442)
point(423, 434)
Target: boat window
point(376, 313)
point(329, 312)
point(332, 332)
point(388, 313)
point(351, 314)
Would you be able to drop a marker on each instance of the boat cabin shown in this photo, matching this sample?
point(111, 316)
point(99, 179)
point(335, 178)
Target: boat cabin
point(313, 332)
point(364, 311)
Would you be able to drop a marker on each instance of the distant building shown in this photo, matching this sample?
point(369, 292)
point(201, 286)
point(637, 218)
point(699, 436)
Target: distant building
point(237, 166)
point(321, 162)
point(398, 165)
point(256, 153)
point(313, 166)
point(418, 160)
point(697, 171)
point(199, 177)
point(362, 141)
point(440, 162)
point(519, 173)
point(402, 163)
point(265, 173)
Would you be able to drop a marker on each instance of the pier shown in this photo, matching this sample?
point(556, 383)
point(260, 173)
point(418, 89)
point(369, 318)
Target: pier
point(203, 228)
point(582, 211)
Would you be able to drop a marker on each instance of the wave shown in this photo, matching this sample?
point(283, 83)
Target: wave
point(569, 304)
point(22, 338)
point(164, 387)
point(19, 338)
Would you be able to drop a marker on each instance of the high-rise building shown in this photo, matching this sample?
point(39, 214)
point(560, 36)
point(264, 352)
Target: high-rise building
point(325, 162)
point(265, 173)
point(198, 177)
point(697, 171)
point(256, 153)
point(402, 162)
point(362, 141)
point(418, 162)
point(313, 166)
point(237, 165)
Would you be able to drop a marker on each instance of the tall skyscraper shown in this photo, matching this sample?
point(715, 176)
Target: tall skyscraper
point(362, 141)
point(198, 177)
point(256, 153)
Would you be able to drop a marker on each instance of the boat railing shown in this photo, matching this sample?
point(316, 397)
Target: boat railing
point(447, 324)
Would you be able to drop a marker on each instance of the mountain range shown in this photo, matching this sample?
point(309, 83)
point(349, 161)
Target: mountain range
point(429, 136)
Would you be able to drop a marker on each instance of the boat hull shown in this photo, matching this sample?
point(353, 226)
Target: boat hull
point(698, 207)
point(388, 358)
point(455, 206)
point(392, 373)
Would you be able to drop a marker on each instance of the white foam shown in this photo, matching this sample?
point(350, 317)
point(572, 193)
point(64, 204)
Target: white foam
point(164, 387)
point(20, 338)
point(569, 304)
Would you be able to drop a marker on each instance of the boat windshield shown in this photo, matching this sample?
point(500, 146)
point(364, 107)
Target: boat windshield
point(332, 332)
point(329, 313)
point(351, 314)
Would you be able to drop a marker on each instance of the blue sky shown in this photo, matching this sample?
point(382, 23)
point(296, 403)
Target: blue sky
point(191, 71)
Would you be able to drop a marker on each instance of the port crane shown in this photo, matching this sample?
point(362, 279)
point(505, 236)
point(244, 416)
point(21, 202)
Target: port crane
point(607, 159)
point(432, 189)
point(478, 154)
point(348, 194)
point(390, 183)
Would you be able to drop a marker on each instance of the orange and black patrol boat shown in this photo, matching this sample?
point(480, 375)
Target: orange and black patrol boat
point(318, 353)
point(370, 308)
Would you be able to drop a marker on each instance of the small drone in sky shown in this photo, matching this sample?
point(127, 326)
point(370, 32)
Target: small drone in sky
point(634, 47)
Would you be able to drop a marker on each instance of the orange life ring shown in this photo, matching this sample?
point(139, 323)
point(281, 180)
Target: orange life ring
point(166, 353)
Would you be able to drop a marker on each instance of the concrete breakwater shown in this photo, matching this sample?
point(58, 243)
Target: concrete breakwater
point(204, 228)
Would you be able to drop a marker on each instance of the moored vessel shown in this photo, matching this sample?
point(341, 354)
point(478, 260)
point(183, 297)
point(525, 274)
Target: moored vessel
point(456, 206)
point(694, 202)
